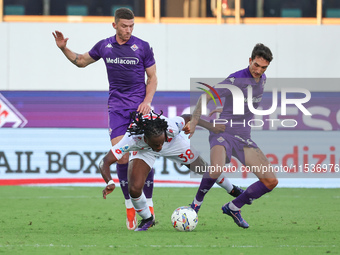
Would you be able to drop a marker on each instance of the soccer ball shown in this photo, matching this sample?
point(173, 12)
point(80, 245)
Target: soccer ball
point(184, 218)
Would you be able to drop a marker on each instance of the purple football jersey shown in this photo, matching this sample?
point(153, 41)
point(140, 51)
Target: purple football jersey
point(125, 65)
point(241, 79)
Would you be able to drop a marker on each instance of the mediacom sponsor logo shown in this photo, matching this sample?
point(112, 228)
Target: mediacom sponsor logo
point(123, 60)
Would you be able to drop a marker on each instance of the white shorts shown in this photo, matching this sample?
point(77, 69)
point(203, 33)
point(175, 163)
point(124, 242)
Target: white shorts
point(177, 150)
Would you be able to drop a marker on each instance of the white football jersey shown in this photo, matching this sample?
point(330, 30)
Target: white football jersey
point(136, 142)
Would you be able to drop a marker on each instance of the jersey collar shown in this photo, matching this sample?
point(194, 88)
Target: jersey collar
point(129, 42)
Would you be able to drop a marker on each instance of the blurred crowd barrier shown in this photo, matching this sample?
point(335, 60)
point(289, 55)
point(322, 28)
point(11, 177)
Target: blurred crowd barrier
point(175, 11)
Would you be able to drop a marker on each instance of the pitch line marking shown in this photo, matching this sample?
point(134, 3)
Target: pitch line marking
point(166, 246)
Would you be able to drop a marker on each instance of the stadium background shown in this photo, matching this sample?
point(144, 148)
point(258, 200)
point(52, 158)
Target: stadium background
point(60, 110)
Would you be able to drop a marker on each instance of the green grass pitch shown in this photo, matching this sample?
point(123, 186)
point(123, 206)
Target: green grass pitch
point(76, 220)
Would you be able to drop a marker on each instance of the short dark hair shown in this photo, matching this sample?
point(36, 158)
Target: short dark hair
point(260, 50)
point(123, 13)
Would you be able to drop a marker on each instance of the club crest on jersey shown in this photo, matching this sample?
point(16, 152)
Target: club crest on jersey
point(220, 139)
point(134, 47)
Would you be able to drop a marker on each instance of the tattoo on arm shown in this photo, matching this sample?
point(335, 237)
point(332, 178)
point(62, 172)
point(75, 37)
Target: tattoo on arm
point(75, 60)
point(197, 111)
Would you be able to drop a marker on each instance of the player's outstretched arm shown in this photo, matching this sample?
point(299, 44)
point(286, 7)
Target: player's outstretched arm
point(151, 86)
point(186, 128)
point(218, 128)
point(196, 115)
point(80, 60)
point(104, 167)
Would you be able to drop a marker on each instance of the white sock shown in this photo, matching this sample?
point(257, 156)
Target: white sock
point(128, 203)
point(141, 206)
point(233, 207)
point(197, 202)
point(149, 202)
point(224, 182)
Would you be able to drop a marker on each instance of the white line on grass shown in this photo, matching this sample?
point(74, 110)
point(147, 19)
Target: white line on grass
point(308, 246)
point(49, 197)
point(168, 246)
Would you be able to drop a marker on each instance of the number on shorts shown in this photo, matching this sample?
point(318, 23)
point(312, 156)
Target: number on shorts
point(188, 154)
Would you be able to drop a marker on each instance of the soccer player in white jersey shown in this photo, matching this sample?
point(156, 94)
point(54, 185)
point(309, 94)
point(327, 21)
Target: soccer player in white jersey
point(149, 137)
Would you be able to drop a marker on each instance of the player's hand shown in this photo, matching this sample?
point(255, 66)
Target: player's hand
point(186, 128)
point(192, 128)
point(219, 128)
point(217, 110)
point(108, 189)
point(144, 108)
point(60, 40)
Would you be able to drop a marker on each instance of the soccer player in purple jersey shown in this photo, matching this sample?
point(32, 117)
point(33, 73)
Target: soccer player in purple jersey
point(236, 140)
point(127, 59)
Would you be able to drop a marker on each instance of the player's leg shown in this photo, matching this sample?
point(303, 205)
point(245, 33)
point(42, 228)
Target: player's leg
point(148, 190)
point(218, 158)
point(260, 166)
point(122, 169)
point(181, 152)
point(131, 220)
point(215, 175)
point(137, 174)
point(119, 123)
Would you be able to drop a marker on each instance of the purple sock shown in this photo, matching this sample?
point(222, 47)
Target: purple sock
point(148, 186)
point(254, 191)
point(122, 170)
point(206, 183)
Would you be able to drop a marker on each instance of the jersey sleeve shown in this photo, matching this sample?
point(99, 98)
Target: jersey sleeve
point(175, 126)
point(149, 59)
point(123, 146)
point(225, 92)
point(95, 51)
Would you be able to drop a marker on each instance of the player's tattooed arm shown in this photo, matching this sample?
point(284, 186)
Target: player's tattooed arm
point(80, 60)
point(76, 59)
point(197, 111)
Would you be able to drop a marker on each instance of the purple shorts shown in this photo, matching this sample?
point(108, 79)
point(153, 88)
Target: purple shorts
point(233, 145)
point(118, 122)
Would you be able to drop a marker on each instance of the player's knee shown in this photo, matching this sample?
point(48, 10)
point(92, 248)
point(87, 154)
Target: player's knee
point(135, 190)
point(270, 183)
